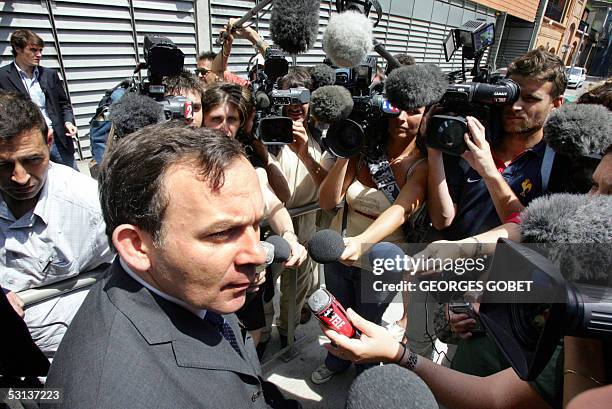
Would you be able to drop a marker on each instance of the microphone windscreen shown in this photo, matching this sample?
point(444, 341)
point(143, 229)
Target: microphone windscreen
point(322, 75)
point(389, 387)
point(133, 112)
point(294, 24)
point(326, 246)
point(579, 129)
point(348, 38)
point(282, 250)
point(387, 251)
point(577, 230)
point(414, 86)
point(331, 103)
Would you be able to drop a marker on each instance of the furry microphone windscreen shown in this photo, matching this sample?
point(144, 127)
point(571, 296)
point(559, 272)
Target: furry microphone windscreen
point(415, 86)
point(133, 112)
point(326, 246)
point(577, 230)
point(322, 75)
point(294, 24)
point(579, 129)
point(348, 38)
point(331, 103)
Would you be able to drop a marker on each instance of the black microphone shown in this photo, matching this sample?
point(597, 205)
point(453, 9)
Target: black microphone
point(331, 103)
point(390, 387)
point(277, 249)
point(322, 75)
point(579, 130)
point(392, 62)
point(326, 246)
point(348, 38)
point(133, 112)
point(387, 259)
point(294, 24)
point(414, 86)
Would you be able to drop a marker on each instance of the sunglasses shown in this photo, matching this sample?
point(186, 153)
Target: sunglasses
point(202, 71)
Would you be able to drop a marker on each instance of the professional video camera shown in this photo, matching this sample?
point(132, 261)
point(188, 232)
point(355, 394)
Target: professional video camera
point(162, 58)
point(270, 126)
point(365, 127)
point(482, 98)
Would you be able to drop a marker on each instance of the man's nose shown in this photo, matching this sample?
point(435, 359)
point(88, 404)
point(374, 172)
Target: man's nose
point(20, 174)
point(252, 252)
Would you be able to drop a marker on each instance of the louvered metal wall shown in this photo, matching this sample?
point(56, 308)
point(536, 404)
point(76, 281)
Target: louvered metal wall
point(97, 37)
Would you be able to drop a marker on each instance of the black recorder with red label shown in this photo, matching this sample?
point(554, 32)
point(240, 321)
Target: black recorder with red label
point(328, 310)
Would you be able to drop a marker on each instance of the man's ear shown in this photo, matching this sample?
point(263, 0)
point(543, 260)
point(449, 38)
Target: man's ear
point(49, 137)
point(557, 102)
point(134, 246)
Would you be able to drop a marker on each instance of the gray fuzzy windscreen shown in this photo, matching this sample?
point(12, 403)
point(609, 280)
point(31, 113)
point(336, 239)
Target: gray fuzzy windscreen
point(294, 24)
point(577, 230)
point(579, 129)
point(322, 75)
point(414, 86)
point(348, 38)
point(133, 112)
point(331, 103)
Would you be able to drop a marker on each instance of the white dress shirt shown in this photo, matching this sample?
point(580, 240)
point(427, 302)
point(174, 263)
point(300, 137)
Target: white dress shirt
point(61, 237)
point(32, 85)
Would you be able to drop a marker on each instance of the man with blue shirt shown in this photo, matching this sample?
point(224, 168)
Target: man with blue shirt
point(51, 226)
point(27, 76)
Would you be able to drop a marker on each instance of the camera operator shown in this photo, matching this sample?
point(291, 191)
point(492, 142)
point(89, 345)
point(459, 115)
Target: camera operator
point(350, 179)
point(187, 85)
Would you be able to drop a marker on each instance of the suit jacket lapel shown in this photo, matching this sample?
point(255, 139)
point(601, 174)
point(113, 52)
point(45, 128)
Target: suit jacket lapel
point(15, 79)
point(43, 79)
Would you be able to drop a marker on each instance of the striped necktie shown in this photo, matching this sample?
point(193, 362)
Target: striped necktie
point(224, 328)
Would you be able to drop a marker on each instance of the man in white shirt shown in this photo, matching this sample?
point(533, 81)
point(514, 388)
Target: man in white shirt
point(51, 226)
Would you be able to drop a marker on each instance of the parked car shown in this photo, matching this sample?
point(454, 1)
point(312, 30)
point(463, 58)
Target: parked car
point(575, 76)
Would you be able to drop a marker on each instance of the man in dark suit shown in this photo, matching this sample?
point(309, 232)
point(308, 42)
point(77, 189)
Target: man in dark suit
point(44, 87)
point(182, 207)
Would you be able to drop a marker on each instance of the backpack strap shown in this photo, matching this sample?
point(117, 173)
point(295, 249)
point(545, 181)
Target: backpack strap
point(546, 169)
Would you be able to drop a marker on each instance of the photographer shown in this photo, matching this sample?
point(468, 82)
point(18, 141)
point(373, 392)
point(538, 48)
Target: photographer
point(351, 179)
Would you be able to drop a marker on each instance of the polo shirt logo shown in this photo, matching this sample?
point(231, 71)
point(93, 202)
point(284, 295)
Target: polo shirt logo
point(526, 186)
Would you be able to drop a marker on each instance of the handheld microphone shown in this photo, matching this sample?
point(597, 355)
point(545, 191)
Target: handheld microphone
point(383, 251)
point(133, 112)
point(326, 246)
point(294, 24)
point(331, 103)
point(390, 387)
point(330, 312)
point(322, 75)
point(280, 249)
point(348, 38)
point(579, 130)
point(413, 86)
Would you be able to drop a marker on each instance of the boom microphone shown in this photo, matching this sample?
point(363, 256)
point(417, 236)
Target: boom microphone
point(348, 38)
point(133, 112)
point(414, 86)
point(294, 24)
point(326, 246)
point(579, 129)
point(390, 387)
point(322, 75)
point(331, 103)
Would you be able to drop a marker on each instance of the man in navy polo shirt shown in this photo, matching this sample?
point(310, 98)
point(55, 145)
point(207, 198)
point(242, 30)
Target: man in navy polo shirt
point(487, 185)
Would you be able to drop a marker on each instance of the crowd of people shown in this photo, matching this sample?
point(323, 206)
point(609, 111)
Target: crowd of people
point(184, 312)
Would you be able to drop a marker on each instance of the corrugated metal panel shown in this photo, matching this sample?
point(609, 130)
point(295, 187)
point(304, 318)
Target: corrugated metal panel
point(400, 33)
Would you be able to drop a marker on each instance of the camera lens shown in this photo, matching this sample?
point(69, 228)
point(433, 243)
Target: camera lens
point(345, 139)
point(531, 320)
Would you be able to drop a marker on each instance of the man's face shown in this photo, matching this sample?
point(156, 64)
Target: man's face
point(529, 113)
point(29, 56)
point(602, 177)
point(196, 105)
point(225, 117)
point(210, 241)
point(204, 72)
point(24, 162)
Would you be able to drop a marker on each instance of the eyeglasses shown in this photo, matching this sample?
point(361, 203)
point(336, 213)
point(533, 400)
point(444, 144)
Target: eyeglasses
point(202, 71)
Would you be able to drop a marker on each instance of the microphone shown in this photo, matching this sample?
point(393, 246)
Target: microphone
point(331, 103)
point(389, 387)
point(330, 312)
point(392, 62)
point(326, 246)
point(579, 130)
point(348, 38)
point(413, 86)
point(574, 228)
point(133, 112)
point(322, 75)
point(294, 24)
point(379, 253)
point(277, 249)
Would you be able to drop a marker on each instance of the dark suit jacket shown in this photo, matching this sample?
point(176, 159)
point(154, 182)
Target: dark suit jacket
point(57, 103)
point(129, 348)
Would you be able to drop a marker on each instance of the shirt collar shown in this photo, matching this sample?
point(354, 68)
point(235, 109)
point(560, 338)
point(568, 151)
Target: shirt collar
point(131, 273)
point(23, 74)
